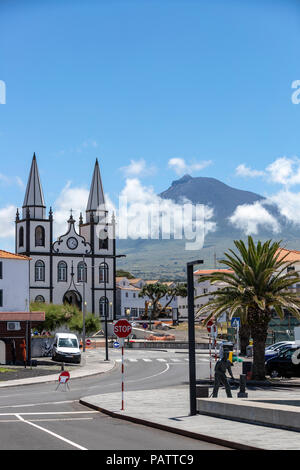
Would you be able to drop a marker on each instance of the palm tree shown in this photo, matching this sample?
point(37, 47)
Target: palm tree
point(259, 285)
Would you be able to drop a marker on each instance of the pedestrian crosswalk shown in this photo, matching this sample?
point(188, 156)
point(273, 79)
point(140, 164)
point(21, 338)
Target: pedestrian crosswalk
point(158, 359)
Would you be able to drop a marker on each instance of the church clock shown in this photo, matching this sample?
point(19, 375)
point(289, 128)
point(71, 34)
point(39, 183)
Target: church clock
point(72, 243)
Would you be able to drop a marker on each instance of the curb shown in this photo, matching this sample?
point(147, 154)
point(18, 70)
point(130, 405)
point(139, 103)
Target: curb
point(50, 379)
point(164, 427)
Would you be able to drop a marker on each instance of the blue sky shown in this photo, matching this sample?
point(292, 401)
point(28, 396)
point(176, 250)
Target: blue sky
point(145, 82)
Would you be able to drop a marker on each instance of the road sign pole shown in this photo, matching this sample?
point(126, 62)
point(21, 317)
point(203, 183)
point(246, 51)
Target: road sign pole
point(122, 407)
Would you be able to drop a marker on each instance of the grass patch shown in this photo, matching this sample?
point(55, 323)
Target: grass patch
point(3, 370)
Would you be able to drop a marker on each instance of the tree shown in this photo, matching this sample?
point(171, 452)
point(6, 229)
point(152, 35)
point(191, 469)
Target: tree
point(55, 315)
point(155, 292)
point(258, 286)
point(92, 323)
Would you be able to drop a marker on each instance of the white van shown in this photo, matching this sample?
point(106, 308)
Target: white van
point(66, 348)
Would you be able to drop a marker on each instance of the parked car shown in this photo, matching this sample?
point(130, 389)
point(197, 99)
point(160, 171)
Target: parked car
point(278, 349)
point(275, 345)
point(66, 348)
point(286, 364)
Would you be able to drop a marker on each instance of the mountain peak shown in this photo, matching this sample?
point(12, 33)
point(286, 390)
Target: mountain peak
point(183, 179)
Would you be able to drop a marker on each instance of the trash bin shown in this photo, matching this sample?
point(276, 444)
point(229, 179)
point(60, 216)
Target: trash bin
point(247, 369)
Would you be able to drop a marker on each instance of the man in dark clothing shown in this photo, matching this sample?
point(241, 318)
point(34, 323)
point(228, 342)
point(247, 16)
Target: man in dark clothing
point(221, 367)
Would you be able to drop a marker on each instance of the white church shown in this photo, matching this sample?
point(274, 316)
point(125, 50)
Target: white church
point(78, 268)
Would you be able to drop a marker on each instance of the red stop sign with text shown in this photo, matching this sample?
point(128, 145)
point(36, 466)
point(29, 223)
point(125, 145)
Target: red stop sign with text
point(210, 325)
point(122, 328)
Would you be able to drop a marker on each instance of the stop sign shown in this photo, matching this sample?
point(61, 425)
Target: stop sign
point(209, 325)
point(122, 328)
point(88, 342)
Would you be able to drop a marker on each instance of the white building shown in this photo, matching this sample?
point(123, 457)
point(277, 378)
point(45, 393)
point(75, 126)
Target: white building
point(130, 304)
point(200, 289)
point(14, 282)
point(77, 266)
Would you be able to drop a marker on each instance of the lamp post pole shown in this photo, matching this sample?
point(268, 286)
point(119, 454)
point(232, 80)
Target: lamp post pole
point(191, 335)
point(83, 303)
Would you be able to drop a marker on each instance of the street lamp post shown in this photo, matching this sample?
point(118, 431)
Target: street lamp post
point(191, 335)
point(83, 304)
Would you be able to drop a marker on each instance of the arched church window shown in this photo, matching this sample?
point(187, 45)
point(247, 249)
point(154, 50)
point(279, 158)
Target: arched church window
point(103, 306)
point(103, 273)
point(39, 236)
point(81, 272)
point(62, 271)
point(39, 298)
point(39, 269)
point(103, 239)
point(21, 236)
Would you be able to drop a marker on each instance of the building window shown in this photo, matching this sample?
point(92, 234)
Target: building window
point(103, 306)
point(40, 271)
point(1, 270)
point(1, 298)
point(103, 273)
point(290, 268)
point(134, 295)
point(103, 239)
point(39, 298)
point(81, 272)
point(21, 236)
point(39, 236)
point(126, 294)
point(62, 271)
point(134, 312)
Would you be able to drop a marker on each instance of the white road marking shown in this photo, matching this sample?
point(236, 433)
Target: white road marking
point(51, 433)
point(161, 360)
point(147, 360)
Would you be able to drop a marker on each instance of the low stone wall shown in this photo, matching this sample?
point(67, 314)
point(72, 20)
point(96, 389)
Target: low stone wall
point(268, 414)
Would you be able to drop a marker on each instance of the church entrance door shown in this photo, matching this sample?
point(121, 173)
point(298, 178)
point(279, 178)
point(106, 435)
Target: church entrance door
point(73, 298)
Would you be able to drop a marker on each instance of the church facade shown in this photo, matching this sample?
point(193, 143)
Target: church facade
point(79, 266)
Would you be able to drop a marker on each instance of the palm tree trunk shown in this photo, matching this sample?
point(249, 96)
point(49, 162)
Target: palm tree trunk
point(259, 331)
point(245, 334)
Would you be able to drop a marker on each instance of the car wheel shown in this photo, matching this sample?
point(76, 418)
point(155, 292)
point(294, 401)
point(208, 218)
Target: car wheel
point(274, 373)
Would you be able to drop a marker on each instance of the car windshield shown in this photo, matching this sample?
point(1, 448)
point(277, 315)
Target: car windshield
point(288, 353)
point(68, 343)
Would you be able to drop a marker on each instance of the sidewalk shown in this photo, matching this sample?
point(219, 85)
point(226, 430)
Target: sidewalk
point(89, 366)
point(168, 409)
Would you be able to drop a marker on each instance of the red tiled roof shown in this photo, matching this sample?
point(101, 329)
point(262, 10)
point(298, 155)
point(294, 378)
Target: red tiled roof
point(22, 316)
point(8, 255)
point(210, 271)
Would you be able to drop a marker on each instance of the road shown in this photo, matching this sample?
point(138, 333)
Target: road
point(39, 417)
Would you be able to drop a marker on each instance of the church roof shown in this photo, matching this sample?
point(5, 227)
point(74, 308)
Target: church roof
point(96, 197)
point(34, 194)
point(7, 255)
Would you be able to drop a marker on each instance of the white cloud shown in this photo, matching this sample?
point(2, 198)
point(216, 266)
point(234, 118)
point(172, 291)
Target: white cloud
point(180, 166)
point(138, 168)
point(243, 170)
point(288, 204)
point(74, 198)
point(144, 214)
point(248, 218)
point(7, 221)
point(285, 171)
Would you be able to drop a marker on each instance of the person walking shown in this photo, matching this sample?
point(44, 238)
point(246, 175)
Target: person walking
point(222, 366)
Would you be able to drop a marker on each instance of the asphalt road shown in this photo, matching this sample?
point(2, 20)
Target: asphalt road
point(41, 417)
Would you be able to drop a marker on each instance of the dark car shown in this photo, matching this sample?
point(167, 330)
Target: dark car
point(286, 364)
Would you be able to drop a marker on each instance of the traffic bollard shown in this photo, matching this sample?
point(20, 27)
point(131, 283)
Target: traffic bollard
point(242, 393)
